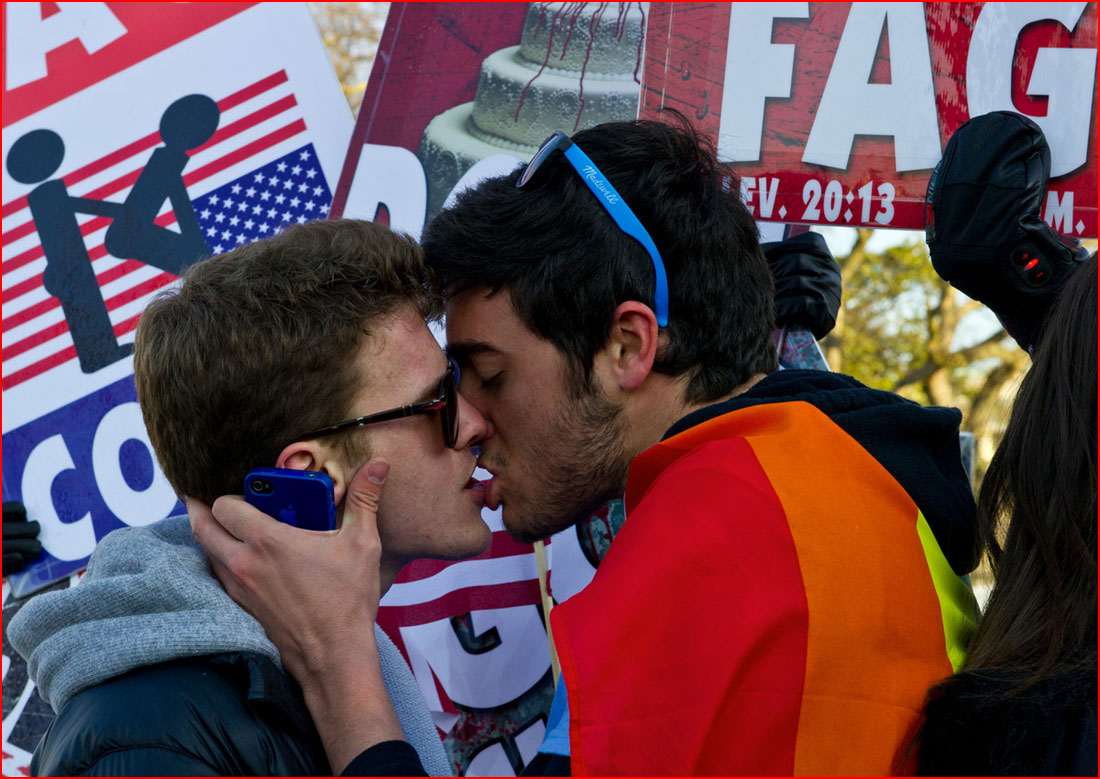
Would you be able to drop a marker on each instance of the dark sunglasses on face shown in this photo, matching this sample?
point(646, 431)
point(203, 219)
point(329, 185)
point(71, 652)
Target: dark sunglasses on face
point(611, 200)
point(446, 404)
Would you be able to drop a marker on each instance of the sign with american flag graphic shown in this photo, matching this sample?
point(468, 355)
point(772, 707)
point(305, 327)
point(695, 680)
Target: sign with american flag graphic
point(138, 138)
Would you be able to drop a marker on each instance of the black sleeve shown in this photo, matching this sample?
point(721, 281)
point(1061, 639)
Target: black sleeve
point(544, 764)
point(388, 758)
point(807, 283)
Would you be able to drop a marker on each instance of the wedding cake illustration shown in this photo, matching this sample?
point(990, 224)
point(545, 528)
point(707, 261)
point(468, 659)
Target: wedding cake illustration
point(577, 65)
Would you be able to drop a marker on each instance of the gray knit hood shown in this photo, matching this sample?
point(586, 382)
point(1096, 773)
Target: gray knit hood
point(149, 597)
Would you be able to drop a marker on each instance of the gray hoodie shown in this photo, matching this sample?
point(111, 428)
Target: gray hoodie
point(149, 597)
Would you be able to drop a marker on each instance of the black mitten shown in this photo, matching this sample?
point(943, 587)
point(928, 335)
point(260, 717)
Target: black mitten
point(21, 545)
point(982, 222)
point(807, 283)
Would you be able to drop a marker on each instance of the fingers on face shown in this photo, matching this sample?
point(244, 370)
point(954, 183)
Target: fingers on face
point(365, 493)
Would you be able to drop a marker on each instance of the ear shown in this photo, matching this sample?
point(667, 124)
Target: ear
point(632, 344)
point(315, 456)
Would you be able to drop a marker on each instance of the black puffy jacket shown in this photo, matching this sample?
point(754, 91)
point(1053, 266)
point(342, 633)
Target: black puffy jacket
point(222, 715)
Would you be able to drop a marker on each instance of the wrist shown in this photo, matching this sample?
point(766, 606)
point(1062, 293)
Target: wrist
point(348, 700)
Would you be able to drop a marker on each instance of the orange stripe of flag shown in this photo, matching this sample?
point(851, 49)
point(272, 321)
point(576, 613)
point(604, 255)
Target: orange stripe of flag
point(875, 641)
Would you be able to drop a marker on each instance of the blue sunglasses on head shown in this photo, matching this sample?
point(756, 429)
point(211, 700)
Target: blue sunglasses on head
point(611, 200)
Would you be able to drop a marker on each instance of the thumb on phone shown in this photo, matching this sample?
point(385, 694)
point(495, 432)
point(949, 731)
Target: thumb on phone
point(365, 493)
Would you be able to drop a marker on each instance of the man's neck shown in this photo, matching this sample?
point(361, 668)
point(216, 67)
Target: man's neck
point(665, 406)
point(741, 390)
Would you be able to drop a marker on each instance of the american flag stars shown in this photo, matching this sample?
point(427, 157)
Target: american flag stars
point(289, 190)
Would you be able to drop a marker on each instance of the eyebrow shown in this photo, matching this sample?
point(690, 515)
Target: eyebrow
point(463, 350)
point(431, 393)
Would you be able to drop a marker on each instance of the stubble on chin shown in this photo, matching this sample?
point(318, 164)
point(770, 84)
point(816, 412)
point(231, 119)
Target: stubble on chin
point(583, 468)
point(529, 527)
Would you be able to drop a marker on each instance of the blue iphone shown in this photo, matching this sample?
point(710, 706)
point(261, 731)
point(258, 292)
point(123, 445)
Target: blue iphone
point(298, 498)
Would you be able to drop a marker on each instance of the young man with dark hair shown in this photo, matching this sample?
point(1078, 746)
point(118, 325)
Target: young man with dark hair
point(152, 669)
point(786, 586)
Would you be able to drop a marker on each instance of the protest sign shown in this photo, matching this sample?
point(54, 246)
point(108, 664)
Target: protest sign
point(836, 113)
point(138, 138)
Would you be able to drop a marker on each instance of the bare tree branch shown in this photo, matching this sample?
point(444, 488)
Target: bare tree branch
point(992, 346)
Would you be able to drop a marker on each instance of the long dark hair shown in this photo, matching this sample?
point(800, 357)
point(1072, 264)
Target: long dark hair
point(1041, 483)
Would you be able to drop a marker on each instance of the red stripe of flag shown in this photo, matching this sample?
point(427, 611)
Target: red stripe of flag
point(69, 353)
point(249, 92)
point(21, 259)
point(29, 313)
point(12, 206)
point(113, 273)
point(18, 377)
point(62, 327)
point(258, 145)
point(40, 337)
point(138, 290)
point(16, 233)
point(253, 119)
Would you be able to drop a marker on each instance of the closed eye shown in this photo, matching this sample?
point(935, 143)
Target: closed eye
point(491, 383)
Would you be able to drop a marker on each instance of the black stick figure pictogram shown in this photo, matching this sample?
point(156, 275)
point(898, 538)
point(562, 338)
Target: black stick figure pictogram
point(69, 276)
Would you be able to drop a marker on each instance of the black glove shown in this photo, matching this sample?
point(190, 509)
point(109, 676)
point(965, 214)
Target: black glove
point(807, 283)
point(982, 222)
point(21, 545)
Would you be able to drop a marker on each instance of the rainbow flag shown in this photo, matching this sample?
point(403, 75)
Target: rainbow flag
point(784, 609)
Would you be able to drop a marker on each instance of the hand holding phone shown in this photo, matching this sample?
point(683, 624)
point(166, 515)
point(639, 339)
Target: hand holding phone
point(298, 498)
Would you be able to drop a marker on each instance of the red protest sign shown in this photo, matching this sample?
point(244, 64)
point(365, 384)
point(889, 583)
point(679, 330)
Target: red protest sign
point(836, 113)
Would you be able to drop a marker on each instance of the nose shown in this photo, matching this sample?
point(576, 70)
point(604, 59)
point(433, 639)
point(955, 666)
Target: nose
point(473, 427)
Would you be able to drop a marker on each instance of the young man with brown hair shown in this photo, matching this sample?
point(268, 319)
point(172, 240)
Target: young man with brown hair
point(152, 669)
